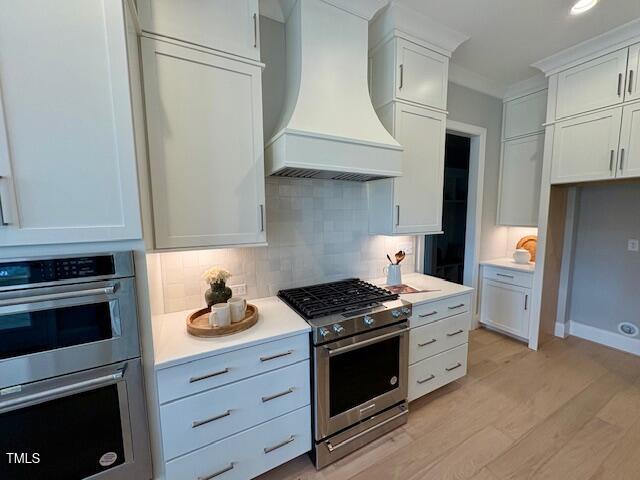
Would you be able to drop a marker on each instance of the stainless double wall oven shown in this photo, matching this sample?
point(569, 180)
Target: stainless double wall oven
point(70, 375)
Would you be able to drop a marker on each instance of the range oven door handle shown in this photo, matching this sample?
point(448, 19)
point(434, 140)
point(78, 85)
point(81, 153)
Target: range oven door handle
point(110, 290)
point(337, 351)
point(61, 391)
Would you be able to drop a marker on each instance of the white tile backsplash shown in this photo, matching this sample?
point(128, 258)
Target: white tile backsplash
point(317, 232)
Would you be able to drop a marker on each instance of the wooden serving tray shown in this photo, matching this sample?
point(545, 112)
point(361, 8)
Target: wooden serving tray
point(530, 242)
point(198, 323)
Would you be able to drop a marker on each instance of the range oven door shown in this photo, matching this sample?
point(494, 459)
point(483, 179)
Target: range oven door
point(55, 330)
point(359, 376)
point(84, 425)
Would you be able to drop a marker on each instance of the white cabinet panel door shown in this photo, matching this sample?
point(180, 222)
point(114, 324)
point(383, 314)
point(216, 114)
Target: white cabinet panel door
point(520, 180)
point(595, 84)
point(506, 307)
point(67, 154)
point(629, 165)
point(586, 148)
point(204, 116)
point(418, 193)
point(227, 25)
point(422, 75)
point(525, 115)
point(632, 91)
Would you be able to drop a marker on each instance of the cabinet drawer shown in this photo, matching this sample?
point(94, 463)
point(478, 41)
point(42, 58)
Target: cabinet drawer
point(435, 372)
point(439, 336)
point(249, 453)
point(207, 373)
point(511, 277)
point(199, 420)
point(427, 313)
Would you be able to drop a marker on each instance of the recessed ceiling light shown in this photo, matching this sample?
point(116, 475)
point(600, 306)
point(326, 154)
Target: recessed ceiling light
point(582, 6)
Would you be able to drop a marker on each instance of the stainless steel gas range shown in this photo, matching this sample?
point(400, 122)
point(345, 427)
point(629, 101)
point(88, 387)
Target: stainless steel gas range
point(360, 340)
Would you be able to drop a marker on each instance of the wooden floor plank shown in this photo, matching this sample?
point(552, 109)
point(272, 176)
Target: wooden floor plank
point(623, 463)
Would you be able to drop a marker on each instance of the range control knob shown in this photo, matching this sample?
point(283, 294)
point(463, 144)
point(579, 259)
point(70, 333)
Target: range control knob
point(338, 328)
point(406, 310)
point(368, 321)
point(395, 313)
point(323, 332)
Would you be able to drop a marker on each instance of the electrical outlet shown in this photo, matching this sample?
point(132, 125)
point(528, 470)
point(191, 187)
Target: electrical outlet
point(633, 245)
point(407, 248)
point(240, 289)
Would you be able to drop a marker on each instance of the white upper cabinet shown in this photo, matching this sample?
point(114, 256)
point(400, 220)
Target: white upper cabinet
point(231, 26)
point(591, 85)
point(632, 90)
point(629, 165)
point(67, 153)
point(411, 204)
point(586, 148)
point(204, 116)
point(524, 115)
point(520, 181)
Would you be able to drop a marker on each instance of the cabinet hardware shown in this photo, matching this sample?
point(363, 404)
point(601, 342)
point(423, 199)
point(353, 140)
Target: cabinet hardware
point(526, 301)
point(331, 447)
point(397, 215)
point(218, 473)
point(255, 30)
point(425, 380)
point(261, 217)
point(611, 160)
point(630, 89)
point(621, 159)
point(433, 340)
point(366, 409)
point(401, 76)
point(199, 423)
point(455, 333)
point(457, 365)
point(455, 307)
point(504, 275)
point(280, 445)
point(277, 355)
point(3, 222)
point(428, 314)
point(619, 84)
point(277, 395)
point(208, 375)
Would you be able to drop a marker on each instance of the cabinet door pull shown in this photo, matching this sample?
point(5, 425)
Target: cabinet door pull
point(3, 222)
point(397, 215)
point(218, 473)
point(208, 375)
point(611, 160)
point(504, 275)
point(277, 395)
point(255, 30)
point(277, 355)
point(401, 76)
point(433, 340)
point(425, 380)
point(619, 84)
point(261, 217)
point(630, 89)
point(526, 301)
point(621, 159)
point(280, 445)
point(428, 314)
point(199, 423)
point(455, 333)
point(457, 365)
point(455, 307)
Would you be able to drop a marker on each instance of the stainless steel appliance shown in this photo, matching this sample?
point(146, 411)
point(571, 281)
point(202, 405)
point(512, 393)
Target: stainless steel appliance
point(71, 389)
point(360, 339)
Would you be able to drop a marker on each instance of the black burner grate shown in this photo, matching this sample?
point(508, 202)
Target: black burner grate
point(336, 297)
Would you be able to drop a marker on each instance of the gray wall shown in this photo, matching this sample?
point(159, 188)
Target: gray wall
point(605, 288)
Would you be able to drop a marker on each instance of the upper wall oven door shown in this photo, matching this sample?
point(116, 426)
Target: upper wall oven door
point(51, 331)
point(359, 376)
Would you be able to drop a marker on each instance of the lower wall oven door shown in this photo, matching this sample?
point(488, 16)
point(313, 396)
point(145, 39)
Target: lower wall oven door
point(359, 376)
point(90, 424)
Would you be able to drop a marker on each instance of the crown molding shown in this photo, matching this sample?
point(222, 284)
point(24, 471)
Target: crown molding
point(474, 81)
point(531, 85)
point(619, 37)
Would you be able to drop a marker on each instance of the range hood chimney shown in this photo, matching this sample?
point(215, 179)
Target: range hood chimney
point(329, 128)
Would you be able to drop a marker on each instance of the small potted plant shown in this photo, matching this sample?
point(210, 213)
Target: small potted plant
point(218, 291)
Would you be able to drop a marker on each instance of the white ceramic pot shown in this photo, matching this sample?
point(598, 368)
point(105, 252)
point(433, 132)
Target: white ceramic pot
point(522, 256)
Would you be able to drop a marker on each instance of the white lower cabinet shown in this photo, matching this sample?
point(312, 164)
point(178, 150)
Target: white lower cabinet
point(437, 371)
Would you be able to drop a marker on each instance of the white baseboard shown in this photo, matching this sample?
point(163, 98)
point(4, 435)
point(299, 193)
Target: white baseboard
point(605, 337)
point(561, 330)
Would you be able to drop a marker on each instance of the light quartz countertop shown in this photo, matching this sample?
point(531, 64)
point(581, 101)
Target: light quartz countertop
point(173, 345)
point(441, 288)
point(510, 264)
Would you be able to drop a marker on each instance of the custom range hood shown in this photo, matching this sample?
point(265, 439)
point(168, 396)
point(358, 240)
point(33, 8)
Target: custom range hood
point(328, 127)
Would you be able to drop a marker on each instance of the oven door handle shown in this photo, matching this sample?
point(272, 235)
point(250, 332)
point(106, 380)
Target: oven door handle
point(110, 290)
point(61, 391)
point(364, 343)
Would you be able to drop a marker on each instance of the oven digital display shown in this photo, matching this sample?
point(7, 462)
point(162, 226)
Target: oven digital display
point(42, 271)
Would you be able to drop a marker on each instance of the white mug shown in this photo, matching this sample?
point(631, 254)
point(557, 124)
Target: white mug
point(394, 276)
point(238, 308)
point(220, 315)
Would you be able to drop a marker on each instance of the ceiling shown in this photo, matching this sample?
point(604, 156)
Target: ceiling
point(507, 36)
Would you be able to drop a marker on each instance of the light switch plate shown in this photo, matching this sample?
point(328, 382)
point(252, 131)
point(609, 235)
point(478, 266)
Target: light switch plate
point(633, 245)
point(240, 289)
point(407, 248)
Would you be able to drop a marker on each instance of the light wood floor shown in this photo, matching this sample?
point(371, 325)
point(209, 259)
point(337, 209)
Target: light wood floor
point(570, 411)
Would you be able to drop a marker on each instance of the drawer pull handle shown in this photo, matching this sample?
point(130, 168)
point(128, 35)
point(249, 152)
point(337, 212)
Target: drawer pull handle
point(208, 375)
point(277, 395)
point(199, 423)
point(504, 275)
point(428, 314)
point(457, 365)
point(366, 409)
point(428, 379)
point(219, 472)
point(277, 355)
point(433, 340)
point(280, 445)
point(455, 333)
point(455, 307)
